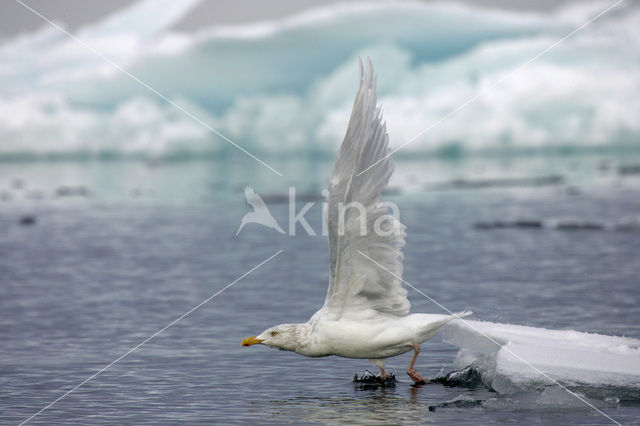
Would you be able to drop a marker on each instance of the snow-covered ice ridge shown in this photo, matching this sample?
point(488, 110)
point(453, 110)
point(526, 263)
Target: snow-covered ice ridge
point(511, 358)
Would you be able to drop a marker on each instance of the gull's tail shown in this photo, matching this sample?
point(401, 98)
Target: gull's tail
point(462, 314)
point(427, 325)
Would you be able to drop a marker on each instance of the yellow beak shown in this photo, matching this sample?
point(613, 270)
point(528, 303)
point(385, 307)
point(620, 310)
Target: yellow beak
point(251, 341)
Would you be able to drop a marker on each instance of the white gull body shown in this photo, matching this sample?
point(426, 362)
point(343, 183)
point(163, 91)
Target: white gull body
point(366, 311)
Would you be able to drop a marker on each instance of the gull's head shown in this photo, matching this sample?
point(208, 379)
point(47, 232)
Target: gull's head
point(285, 337)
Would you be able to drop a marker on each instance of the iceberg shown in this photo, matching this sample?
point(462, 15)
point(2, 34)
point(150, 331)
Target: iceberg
point(285, 87)
point(514, 358)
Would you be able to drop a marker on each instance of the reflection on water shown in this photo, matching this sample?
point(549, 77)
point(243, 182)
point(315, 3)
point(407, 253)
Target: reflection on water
point(369, 406)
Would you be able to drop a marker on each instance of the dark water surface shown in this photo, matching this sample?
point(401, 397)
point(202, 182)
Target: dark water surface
point(92, 278)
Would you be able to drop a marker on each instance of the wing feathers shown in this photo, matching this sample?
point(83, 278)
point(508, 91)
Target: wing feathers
point(357, 285)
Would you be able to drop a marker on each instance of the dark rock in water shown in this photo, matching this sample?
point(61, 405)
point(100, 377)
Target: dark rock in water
point(504, 182)
point(579, 226)
point(528, 224)
point(458, 403)
point(561, 226)
point(468, 377)
point(630, 169)
point(633, 225)
point(490, 225)
point(498, 224)
point(28, 220)
point(72, 191)
point(370, 381)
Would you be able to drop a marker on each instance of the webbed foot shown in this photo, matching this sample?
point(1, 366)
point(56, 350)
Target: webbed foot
point(417, 378)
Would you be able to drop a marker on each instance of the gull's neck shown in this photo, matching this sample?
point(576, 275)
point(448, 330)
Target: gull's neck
point(306, 341)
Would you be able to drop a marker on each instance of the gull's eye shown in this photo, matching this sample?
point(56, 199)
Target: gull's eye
point(274, 333)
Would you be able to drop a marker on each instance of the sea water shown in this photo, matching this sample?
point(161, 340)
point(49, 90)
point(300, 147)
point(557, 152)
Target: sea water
point(102, 269)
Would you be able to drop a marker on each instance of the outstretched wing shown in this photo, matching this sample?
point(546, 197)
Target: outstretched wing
point(254, 199)
point(358, 287)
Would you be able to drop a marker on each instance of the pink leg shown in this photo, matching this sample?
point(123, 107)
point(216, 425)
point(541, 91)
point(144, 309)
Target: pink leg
point(418, 379)
point(383, 374)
